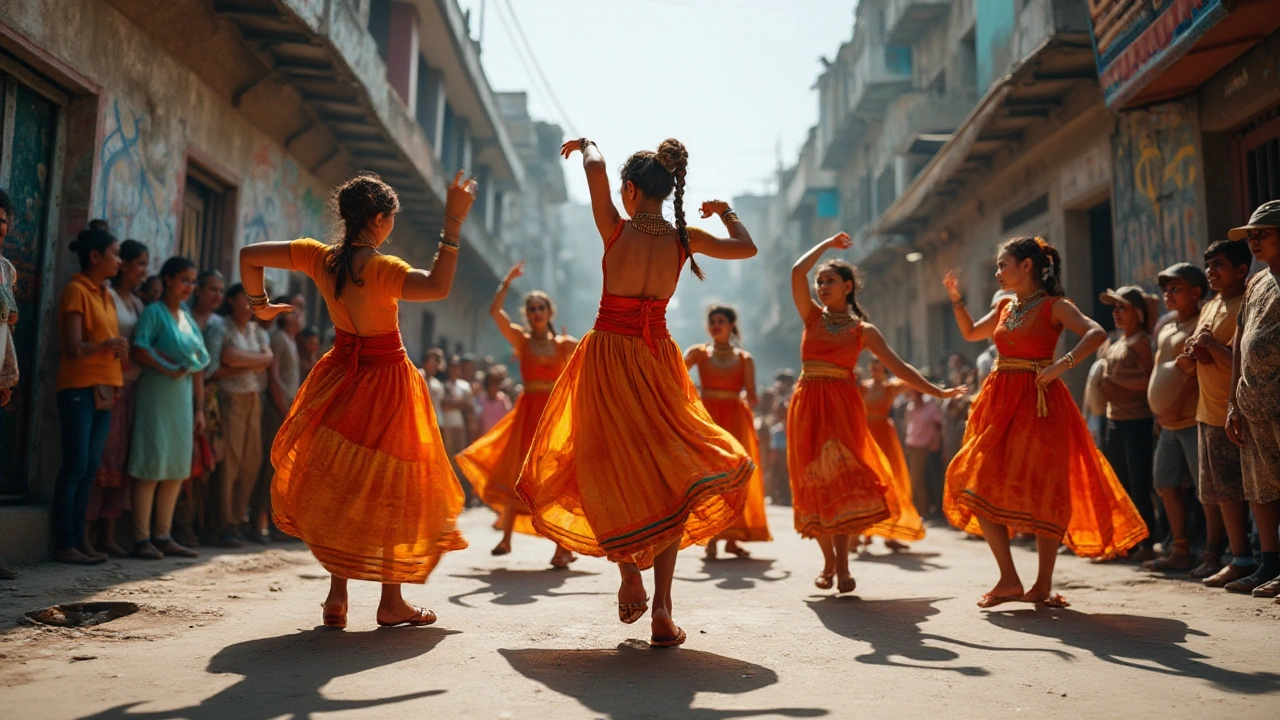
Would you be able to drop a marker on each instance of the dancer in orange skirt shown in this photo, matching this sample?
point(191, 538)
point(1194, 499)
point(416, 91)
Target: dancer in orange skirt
point(904, 522)
point(725, 372)
point(1028, 463)
point(361, 471)
point(626, 463)
point(492, 463)
point(839, 475)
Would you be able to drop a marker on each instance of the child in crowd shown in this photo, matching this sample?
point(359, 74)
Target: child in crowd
point(493, 403)
point(924, 438)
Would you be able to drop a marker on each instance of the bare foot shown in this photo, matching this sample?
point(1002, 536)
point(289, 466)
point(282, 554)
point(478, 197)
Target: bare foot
point(562, 557)
point(502, 548)
point(733, 548)
point(845, 582)
point(1003, 592)
point(896, 545)
point(1042, 594)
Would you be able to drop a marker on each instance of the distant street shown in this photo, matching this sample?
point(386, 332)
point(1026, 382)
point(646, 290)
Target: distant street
point(234, 635)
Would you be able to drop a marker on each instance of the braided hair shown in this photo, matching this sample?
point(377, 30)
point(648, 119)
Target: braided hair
point(357, 202)
point(1046, 262)
point(655, 174)
point(849, 273)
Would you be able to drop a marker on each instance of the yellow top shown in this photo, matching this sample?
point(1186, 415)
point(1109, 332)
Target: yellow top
point(1215, 379)
point(98, 310)
point(371, 308)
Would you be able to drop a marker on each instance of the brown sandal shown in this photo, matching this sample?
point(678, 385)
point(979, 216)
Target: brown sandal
point(669, 641)
point(421, 618)
point(846, 585)
point(825, 581)
point(333, 620)
point(630, 612)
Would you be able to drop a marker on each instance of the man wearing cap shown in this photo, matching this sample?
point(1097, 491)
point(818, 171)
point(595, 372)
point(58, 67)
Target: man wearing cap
point(1253, 408)
point(1127, 441)
point(1172, 394)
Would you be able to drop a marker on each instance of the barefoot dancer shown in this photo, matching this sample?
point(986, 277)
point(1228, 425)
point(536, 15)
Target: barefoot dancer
point(839, 475)
point(626, 463)
point(1028, 463)
point(492, 463)
point(725, 372)
point(904, 523)
point(361, 471)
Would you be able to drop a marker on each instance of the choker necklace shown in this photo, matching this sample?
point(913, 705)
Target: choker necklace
point(1020, 308)
point(838, 323)
point(651, 224)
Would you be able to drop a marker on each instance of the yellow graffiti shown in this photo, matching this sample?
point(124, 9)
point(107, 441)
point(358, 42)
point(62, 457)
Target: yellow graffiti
point(1152, 174)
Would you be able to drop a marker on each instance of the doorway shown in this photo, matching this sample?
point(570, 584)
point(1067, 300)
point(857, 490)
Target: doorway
point(1102, 260)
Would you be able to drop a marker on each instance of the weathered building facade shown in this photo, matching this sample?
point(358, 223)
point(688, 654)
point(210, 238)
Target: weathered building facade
point(197, 127)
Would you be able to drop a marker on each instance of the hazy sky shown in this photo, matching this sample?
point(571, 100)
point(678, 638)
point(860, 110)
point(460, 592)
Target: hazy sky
point(732, 79)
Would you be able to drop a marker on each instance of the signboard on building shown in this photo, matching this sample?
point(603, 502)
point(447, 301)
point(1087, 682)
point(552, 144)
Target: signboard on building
point(1136, 40)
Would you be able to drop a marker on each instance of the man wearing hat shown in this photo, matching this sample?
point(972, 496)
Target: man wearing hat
point(1127, 439)
point(1172, 394)
point(1253, 407)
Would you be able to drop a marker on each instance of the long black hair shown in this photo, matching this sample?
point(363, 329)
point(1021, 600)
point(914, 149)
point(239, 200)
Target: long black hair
point(656, 174)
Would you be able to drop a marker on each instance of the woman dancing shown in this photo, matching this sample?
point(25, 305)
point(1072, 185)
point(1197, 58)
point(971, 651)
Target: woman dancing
point(626, 463)
point(492, 463)
point(840, 478)
point(361, 472)
point(726, 372)
point(904, 522)
point(1028, 463)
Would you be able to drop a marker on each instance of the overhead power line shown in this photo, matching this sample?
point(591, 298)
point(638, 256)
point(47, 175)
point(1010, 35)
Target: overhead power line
point(533, 58)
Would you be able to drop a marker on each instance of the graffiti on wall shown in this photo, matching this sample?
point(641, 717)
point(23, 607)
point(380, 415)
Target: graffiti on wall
point(1158, 175)
point(138, 189)
point(276, 202)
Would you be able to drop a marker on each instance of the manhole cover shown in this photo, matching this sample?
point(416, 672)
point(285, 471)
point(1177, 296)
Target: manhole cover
point(82, 614)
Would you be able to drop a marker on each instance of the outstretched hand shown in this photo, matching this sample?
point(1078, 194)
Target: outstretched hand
point(271, 311)
point(567, 149)
point(514, 272)
point(955, 392)
point(462, 193)
point(713, 207)
point(952, 282)
point(839, 241)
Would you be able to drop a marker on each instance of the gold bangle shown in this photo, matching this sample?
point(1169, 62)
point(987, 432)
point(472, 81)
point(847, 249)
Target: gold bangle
point(1070, 359)
point(451, 249)
point(729, 216)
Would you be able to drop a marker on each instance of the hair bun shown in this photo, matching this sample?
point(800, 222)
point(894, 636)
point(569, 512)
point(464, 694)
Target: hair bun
point(673, 156)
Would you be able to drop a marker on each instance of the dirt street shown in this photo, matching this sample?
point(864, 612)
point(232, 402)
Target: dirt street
point(233, 635)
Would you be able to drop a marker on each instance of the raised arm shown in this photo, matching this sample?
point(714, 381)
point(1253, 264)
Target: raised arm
point(971, 331)
point(602, 207)
point(435, 284)
point(511, 331)
point(875, 342)
point(1091, 338)
point(800, 292)
point(738, 246)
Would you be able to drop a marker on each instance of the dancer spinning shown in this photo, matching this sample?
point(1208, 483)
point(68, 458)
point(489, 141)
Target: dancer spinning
point(725, 372)
point(841, 481)
point(904, 522)
point(626, 463)
point(1028, 463)
point(361, 471)
point(492, 463)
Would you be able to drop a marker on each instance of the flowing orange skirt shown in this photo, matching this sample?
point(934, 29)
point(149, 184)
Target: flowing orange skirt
point(626, 460)
point(361, 472)
point(838, 474)
point(736, 417)
point(904, 522)
point(1040, 475)
point(493, 462)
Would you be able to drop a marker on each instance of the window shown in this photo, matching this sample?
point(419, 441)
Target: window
point(1257, 146)
point(203, 238)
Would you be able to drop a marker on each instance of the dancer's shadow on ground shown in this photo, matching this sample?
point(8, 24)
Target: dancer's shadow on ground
point(284, 675)
point(634, 681)
point(1154, 644)
point(519, 587)
point(908, 560)
point(892, 627)
point(738, 573)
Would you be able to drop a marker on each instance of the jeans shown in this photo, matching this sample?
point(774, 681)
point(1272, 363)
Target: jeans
point(84, 435)
point(1128, 446)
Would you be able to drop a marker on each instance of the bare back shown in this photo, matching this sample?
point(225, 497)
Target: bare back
point(637, 264)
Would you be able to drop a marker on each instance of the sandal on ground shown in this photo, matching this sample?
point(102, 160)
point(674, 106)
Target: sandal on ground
point(114, 551)
point(1210, 564)
point(896, 545)
point(1268, 590)
point(825, 581)
point(1054, 601)
point(72, 556)
point(92, 553)
point(1230, 574)
point(1246, 585)
point(632, 611)
point(502, 548)
point(170, 547)
point(562, 562)
point(333, 620)
point(421, 617)
point(666, 641)
point(846, 585)
point(144, 550)
point(737, 550)
point(990, 600)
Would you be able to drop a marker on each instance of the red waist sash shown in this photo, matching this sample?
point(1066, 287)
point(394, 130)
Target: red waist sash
point(638, 317)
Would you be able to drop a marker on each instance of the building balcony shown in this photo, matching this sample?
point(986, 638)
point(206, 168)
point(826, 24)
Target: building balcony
point(906, 21)
point(857, 93)
point(919, 123)
point(808, 185)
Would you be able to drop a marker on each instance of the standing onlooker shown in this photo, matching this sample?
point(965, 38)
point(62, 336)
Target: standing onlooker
point(1253, 408)
point(1130, 431)
point(1221, 482)
point(457, 405)
point(432, 367)
point(308, 350)
point(784, 386)
point(201, 515)
point(493, 404)
point(1172, 395)
point(168, 410)
point(923, 438)
point(112, 492)
point(8, 318)
point(246, 347)
point(284, 377)
point(781, 491)
point(88, 378)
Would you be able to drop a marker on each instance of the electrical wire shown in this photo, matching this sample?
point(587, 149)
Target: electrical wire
point(551, 94)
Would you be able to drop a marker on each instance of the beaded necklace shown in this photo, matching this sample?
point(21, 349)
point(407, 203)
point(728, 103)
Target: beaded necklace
point(651, 224)
point(723, 357)
point(1021, 307)
point(839, 323)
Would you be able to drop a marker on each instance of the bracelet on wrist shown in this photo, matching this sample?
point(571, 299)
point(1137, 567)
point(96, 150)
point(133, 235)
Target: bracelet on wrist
point(1070, 360)
point(729, 216)
point(583, 143)
point(957, 303)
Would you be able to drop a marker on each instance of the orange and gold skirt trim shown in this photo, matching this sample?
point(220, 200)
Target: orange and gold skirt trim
point(721, 395)
point(820, 369)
